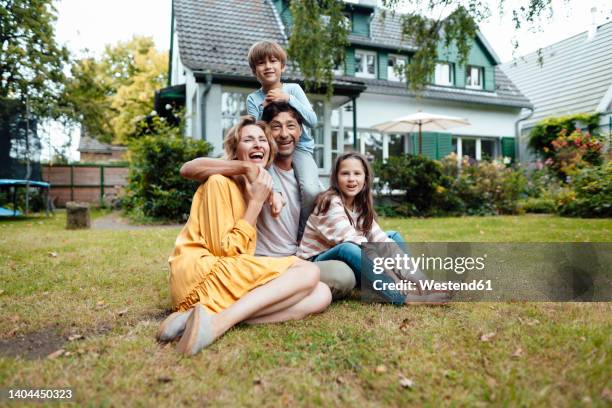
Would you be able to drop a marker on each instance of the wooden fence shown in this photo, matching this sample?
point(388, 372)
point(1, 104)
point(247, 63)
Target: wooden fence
point(92, 183)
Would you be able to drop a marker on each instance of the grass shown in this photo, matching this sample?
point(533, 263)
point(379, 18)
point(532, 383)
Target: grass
point(111, 288)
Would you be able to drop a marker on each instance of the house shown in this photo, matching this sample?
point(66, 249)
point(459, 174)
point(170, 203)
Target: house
point(571, 76)
point(94, 151)
point(210, 41)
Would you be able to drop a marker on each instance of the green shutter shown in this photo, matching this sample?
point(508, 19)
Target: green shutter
point(489, 78)
point(429, 144)
point(507, 147)
point(444, 145)
point(350, 61)
point(361, 24)
point(382, 65)
point(460, 76)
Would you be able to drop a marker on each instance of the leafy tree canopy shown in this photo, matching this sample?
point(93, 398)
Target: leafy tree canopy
point(31, 62)
point(319, 33)
point(107, 95)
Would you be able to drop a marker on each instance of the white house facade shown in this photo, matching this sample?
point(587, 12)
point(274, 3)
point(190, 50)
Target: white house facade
point(209, 68)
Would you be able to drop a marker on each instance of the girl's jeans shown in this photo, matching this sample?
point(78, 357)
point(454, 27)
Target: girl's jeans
point(350, 253)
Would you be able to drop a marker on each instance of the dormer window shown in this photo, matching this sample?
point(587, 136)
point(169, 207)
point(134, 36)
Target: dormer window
point(474, 77)
point(365, 64)
point(444, 74)
point(395, 67)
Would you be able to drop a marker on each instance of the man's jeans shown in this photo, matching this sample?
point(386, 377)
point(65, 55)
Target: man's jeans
point(350, 253)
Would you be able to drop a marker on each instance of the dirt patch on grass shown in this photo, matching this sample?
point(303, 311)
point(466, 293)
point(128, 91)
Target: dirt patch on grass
point(114, 221)
point(32, 345)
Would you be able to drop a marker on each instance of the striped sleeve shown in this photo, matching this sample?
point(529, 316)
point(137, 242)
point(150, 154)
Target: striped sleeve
point(336, 226)
point(377, 234)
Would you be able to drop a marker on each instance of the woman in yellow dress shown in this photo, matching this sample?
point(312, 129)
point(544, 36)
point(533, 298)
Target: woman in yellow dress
point(215, 279)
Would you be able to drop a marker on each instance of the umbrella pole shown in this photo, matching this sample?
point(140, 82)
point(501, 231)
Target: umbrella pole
point(420, 140)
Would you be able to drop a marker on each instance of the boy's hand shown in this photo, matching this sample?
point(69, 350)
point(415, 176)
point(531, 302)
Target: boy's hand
point(277, 202)
point(276, 95)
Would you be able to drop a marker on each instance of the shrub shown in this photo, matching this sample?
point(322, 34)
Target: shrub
point(574, 152)
point(155, 188)
point(547, 130)
point(591, 195)
point(426, 188)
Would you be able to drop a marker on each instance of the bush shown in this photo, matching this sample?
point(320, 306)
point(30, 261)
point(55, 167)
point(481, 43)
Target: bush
point(485, 188)
point(426, 188)
point(591, 193)
point(155, 188)
point(547, 130)
point(574, 152)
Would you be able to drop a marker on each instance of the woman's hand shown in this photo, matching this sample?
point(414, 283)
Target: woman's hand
point(259, 190)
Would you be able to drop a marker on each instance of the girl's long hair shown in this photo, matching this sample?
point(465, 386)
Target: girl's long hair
point(364, 202)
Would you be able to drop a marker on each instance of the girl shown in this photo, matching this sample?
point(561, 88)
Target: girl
point(344, 218)
point(215, 279)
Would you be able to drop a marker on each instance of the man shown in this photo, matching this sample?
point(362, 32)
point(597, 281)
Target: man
point(277, 236)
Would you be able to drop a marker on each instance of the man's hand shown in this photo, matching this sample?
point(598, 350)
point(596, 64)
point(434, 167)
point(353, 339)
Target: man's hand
point(252, 172)
point(277, 202)
point(275, 95)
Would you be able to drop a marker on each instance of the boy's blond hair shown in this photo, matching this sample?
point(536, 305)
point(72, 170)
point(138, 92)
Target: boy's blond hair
point(266, 49)
point(232, 138)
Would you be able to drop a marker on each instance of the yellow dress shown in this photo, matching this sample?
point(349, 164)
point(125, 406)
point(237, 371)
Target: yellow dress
point(213, 261)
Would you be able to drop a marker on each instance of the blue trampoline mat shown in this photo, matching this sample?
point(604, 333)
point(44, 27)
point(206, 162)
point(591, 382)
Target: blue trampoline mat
point(5, 212)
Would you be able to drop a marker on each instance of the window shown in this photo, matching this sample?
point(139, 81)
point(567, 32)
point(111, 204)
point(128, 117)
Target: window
point(474, 77)
point(348, 21)
point(487, 149)
point(318, 134)
point(444, 74)
point(365, 64)
point(395, 67)
point(233, 106)
point(397, 145)
point(372, 144)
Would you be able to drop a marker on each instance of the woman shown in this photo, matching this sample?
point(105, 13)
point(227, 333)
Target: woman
point(215, 279)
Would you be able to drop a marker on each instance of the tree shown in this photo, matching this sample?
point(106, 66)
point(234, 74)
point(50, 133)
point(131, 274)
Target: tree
point(314, 39)
point(31, 62)
point(107, 95)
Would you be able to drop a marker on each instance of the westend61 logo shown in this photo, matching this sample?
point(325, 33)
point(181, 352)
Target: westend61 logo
point(405, 262)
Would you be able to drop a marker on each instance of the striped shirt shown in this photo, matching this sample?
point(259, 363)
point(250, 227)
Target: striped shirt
point(325, 231)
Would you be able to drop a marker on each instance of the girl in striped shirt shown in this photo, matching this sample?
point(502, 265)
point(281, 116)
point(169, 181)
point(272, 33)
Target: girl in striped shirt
point(344, 218)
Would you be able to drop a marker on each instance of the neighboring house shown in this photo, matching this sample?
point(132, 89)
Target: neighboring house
point(209, 66)
point(568, 77)
point(94, 151)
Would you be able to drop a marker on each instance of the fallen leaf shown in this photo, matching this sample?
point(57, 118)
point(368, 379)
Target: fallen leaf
point(405, 382)
point(14, 318)
point(1, 291)
point(56, 354)
point(532, 322)
point(606, 394)
point(481, 232)
point(381, 369)
point(491, 382)
point(487, 336)
point(259, 384)
point(122, 312)
point(100, 304)
point(164, 379)
point(52, 254)
point(405, 325)
point(340, 380)
point(517, 353)
point(76, 337)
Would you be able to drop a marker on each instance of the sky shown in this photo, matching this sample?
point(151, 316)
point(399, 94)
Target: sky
point(86, 26)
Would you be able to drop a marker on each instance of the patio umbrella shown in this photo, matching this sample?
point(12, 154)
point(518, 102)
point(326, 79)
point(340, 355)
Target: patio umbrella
point(421, 121)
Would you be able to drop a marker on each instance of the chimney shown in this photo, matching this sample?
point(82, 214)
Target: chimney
point(593, 28)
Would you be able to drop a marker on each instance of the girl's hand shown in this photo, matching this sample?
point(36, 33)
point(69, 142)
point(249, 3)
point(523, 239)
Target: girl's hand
point(259, 190)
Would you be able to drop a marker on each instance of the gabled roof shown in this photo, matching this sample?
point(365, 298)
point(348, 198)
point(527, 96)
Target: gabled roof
point(215, 35)
point(574, 77)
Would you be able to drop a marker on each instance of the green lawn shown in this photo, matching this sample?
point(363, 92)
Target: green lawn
point(111, 288)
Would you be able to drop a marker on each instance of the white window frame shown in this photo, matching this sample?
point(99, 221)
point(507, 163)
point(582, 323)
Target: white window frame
point(364, 64)
point(440, 77)
point(469, 82)
point(391, 74)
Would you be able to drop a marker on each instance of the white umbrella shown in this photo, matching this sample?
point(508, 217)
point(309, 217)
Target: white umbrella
point(421, 121)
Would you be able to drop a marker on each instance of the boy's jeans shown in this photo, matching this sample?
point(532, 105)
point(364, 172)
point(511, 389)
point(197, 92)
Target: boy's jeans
point(307, 175)
point(350, 253)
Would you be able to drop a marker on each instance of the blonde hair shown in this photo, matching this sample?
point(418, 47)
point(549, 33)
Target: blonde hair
point(266, 49)
point(232, 137)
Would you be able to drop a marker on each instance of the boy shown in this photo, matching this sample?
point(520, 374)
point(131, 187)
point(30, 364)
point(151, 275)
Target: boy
point(267, 60)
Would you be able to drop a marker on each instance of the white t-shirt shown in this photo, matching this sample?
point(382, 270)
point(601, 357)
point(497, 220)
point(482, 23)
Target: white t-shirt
point(278, 236)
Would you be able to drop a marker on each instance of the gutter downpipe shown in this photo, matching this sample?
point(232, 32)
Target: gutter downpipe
point(355, 146)
point(517, 136)
point(207, 86)
point(171, 45)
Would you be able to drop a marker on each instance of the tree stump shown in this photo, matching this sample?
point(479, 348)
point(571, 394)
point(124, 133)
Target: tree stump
point(77, 215)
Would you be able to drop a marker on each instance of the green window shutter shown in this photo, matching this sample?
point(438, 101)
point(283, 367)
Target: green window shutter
point(350, 61)
point(382, 65)
point(507, 147)
point(361, 24)
point(444, 145)
point(489, 78)
point(429, 144)
point(460, 76)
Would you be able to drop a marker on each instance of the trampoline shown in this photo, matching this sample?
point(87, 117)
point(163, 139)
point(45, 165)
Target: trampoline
point(14, 184)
